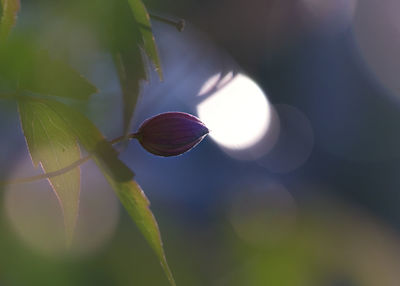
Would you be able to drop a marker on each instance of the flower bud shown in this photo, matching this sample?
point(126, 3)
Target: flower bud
point(171, 133)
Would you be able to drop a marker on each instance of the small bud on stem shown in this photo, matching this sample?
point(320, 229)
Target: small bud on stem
point(171, 133)
point(167, 134)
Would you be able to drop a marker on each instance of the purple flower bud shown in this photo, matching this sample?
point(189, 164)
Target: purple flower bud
point(171, 133)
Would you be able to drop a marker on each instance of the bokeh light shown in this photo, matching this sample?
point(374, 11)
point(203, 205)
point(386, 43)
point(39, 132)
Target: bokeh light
point(237, 114)
point(332, 14)
point(34, 213)
point(329, 243)
point(263, 146)
point(262, 212)
point(377, 32)
point(294, 194)
point(295, 142)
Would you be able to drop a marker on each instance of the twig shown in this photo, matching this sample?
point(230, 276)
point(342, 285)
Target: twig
point(66, 169)
point(180, 24)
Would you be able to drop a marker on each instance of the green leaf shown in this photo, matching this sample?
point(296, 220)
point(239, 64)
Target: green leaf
point(29, 69)
point(118, 175)
point(129, 38)
point(10, 9)
point(142, 19)
point(52, 145)
point(131, 72)
point(138, 206)
point(54, 77)
point(92, 140)
point(128, 56)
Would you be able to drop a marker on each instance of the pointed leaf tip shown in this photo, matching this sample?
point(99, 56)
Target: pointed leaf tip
point(142, 18)
point(119, 176)
point(137, 205)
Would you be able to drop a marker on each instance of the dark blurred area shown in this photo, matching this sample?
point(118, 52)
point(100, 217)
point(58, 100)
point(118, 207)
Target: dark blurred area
point(297, 183)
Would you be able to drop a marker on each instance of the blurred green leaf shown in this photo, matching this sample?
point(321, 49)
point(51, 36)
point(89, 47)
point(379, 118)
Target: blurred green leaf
point(128, 57)
point(138, 206)
point(9, 11)
point(29, 69)
point(142, 19)
point(51, 144)
point(92, 140)
point(127, 34)
point(131, 71)
point(45, 75)
point(117, 174)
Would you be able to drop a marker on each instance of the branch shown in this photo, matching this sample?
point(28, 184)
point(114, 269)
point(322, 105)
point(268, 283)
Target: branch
point(179, 24)
point(63, 170)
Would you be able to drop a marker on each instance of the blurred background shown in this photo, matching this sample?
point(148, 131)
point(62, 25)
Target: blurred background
point(297, 183)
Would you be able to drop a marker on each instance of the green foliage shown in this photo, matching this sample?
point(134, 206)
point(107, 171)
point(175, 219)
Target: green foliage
point(143, 21)
point(129, 66)
point(128, 59)
point(92, 140)
point(132, 35)
point(9, 11)
point(137, 205)
point(51, 144)
point(117, 174)
point(53, 129)
point(27, 68)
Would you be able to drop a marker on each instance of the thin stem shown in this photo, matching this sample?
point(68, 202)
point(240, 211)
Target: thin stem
point(49, 174)
point(180, 24)
point(66, 169)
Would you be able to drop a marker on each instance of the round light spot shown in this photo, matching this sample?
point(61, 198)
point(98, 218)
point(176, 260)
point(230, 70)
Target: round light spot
point(377, 32)
point(294, 144)
point(263, 212)
point(335, 14)
point(34, 213)
point(238, 114)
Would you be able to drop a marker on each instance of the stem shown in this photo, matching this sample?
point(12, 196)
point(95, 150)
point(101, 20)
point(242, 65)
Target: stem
point(49, 174)
point(180, 24)
point(65, 169)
